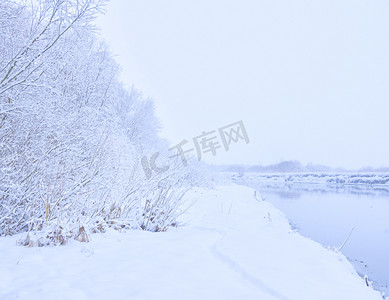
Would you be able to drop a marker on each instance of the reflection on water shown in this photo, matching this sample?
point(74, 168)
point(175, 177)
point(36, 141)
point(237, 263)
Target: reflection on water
point(328, 213)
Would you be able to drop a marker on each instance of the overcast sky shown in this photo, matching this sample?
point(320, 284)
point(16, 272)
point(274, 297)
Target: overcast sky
point(309, 79)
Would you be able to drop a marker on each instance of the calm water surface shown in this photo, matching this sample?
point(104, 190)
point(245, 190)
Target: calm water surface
point(327, 214)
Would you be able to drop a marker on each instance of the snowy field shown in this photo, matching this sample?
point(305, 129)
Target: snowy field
point(233, 246)
point(377, 179)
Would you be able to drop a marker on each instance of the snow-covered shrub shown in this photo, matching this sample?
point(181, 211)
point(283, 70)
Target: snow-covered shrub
point(71, 137)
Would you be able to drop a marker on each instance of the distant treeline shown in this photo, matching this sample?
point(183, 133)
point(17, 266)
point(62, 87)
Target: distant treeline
point(292, 166)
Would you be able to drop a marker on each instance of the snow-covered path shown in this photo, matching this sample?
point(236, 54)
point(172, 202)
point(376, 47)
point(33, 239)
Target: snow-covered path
point(233, 247)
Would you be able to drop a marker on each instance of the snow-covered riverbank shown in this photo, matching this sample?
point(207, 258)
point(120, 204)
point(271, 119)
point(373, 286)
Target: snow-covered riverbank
point(234, 246)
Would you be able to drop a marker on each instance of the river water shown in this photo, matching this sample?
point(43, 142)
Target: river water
point(356, 217)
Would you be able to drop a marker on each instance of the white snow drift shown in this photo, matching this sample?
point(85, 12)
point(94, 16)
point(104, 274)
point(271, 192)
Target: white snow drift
point(233, 247)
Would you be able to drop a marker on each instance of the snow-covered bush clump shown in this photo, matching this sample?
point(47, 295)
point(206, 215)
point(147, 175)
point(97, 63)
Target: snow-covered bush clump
point(71, 137)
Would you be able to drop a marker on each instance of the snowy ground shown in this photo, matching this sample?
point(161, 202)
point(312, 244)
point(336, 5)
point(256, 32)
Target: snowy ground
point(233, 247)
point(377, 179)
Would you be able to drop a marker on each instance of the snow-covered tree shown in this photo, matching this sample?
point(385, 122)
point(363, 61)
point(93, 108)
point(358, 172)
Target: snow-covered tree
point(71, 137)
